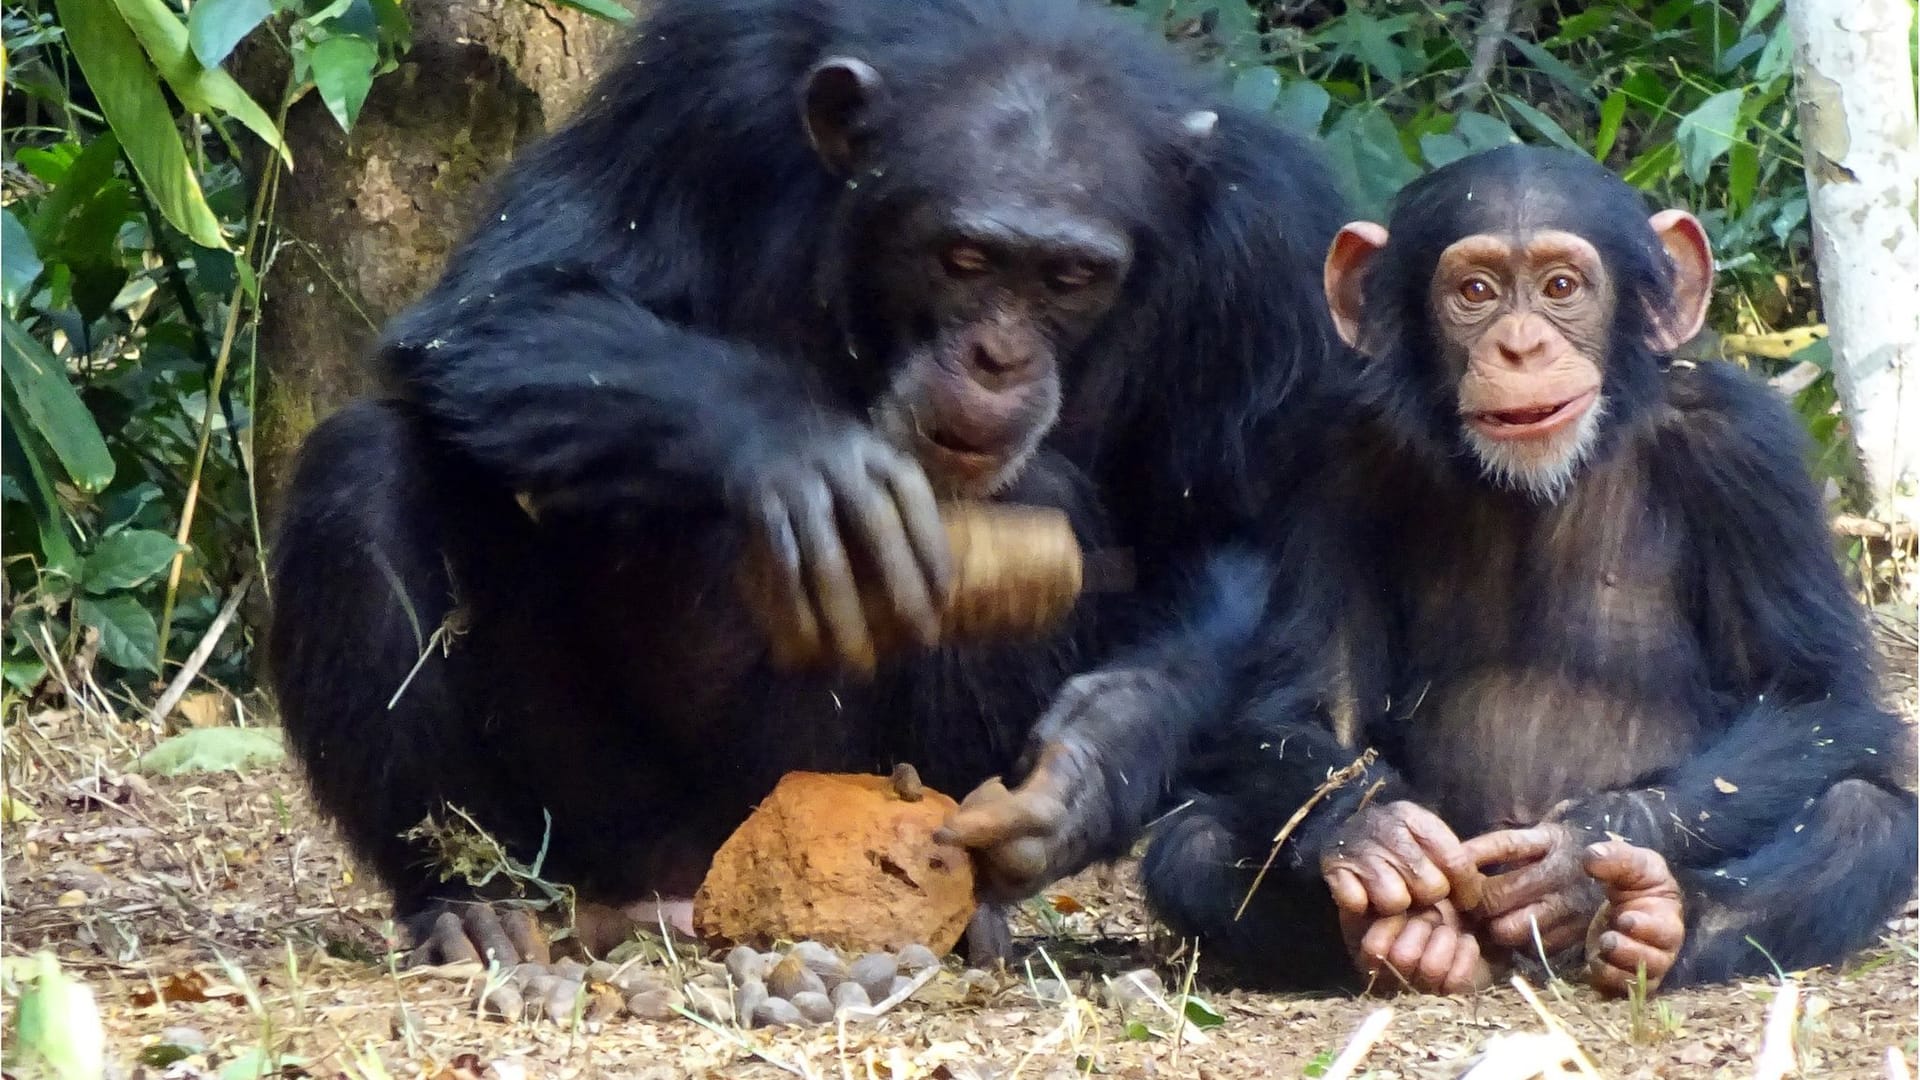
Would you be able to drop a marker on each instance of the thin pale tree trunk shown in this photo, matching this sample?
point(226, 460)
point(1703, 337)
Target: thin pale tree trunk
point(1853, 64)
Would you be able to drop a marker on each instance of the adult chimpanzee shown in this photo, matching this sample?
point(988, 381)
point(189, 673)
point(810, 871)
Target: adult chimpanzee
point(1590, 619)
point(800, 269)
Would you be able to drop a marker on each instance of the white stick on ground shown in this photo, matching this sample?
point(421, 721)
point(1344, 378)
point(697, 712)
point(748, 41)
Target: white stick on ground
point(1776, 1058)
point(1358, 1047)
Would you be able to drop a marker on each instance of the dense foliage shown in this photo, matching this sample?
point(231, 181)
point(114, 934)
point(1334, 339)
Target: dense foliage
point(140, 175)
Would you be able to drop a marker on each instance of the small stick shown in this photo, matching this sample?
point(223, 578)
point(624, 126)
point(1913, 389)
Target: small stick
point(1336, 779)
point(197, 659)
point(1554, 1025)
point(1358, 1047)
point(1776, 1043)
point(881, 1007)
point(1897, 1065)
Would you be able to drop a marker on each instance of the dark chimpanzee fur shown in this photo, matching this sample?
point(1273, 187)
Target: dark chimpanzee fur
point(1668, 645)
point(672, 292)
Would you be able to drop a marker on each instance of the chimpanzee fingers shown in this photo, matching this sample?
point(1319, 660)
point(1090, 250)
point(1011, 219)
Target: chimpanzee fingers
point(1557, 921)
point(1437, 960)
point(1349, 895)
point(1659, 925)
point(836, 596)
point(1628, 871)
point(1409, 946)
point(1616, 967)
point(1470, 971)
point(1443, 854)
point(876, 521)
point(920, 516)
point(792, 630)
point(523, 931)
point(445, 942)
point(991, 815)
point(489, 936)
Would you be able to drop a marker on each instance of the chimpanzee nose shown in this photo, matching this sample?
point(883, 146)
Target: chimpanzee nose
point(1522, 340)
point(996, 363)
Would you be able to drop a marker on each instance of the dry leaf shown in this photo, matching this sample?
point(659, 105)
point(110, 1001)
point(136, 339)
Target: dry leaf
point(1726, 786)
point(206, 708)
point(184, 986)
point(1066, 905)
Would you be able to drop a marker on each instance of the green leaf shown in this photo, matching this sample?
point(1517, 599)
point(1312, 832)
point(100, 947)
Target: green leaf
point(1577, 28)
point(605, 9)
point(20, 265)
point(214, 749)
point(1138, 1031)
point(343, 73)
point(1321, 1062)
point(128, 635)
point(57, 1029)
point(1743, 174)
point(39, 381)
point(125, 559)
point(1758, 14)
point(1202, 1015)
point(1364, 147)
point(1707, 133)
point(1257, 88)
point(1483, 132)
point(1612, 111)
point(1302, 106)
point(22, 456)
point(1653, 166)
point(1541, 123)
point(395, 28)
point(123, 82)
point(1553, 67)
point(1443, 148)
point(216, 26)
point(201, 88)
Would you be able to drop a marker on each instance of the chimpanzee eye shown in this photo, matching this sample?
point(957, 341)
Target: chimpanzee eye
point(1561, 286)
point(1072, 276)
point(965, 260)
point(1476, 290)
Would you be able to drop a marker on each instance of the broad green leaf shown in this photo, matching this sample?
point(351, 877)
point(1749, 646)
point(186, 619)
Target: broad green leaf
point(1743, 173)
point(1483, 132)
point(605, 9)
point(128, 635)
point(123, 82)
point(125, 559)
point(20, 265)
point(1541, 123)
point(201, 88)
point(1257, 88)
point(350, 18)
point(1364, 148)
point(1757, 14)
point(1442, 148)
point(39, 382)
point(216, 26)
point(1202, 1015)
point(1579, 27)
point(343, 73)
point(214, 749)
point(1553, 67)
point(21, 458)
point(1612, 111)
point(57, 1029)
point(1302, 106)
point(1652, 166)
point(81, 181)
point(1738, 53)
point(1707, 133)
point(395, 28)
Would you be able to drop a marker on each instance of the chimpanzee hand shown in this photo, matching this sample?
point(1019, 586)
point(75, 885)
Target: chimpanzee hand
point(1061, 814)
point(1642, 925)
point(1389, 859)
point(843, 507)
point(453, 931)
point(1427, 949)
point(1543, 884)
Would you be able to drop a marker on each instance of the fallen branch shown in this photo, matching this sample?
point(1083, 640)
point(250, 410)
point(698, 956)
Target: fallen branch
point(1358, 1047)
point(1900, 533)
point(1554, 1026)
point(881, 1007)
point(1335, 780)
point(197, 659)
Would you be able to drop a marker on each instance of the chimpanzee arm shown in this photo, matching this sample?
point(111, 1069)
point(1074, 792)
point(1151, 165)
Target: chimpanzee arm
point(1788, 650)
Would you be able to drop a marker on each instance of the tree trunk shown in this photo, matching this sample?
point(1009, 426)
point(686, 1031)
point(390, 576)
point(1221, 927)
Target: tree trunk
point(1853, 65)
point(365, 220)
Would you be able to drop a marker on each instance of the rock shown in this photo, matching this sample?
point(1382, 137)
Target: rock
point(523, 974)
point(874, 972)
point(1134, 988)
point(503, 1001)
point(850, 995)
point(917, 958)
point(744, 964)
point(569, 969)
point(1050, 991)
point(898, 986)
point(601, 971)
point(713, 1004)
point(822, 961)
point(656, 1004)
point(747, 998)
point(842, 860)
point(636, 980)
point(777, 1012)
point(792, 976)
point(816, 1008)
point(560, 1000)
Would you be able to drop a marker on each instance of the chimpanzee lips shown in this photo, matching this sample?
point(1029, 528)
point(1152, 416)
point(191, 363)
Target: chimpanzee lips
point(1531, 421)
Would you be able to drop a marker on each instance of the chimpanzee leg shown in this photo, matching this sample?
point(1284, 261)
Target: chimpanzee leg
point(1821, 889)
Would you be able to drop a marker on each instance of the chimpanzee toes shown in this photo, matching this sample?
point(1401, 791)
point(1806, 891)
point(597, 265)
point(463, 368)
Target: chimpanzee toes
point(480, 933)
point(989, 937)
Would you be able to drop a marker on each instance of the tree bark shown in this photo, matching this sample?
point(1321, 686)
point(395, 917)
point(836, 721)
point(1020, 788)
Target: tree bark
point(1855, 88)
point(364, 222)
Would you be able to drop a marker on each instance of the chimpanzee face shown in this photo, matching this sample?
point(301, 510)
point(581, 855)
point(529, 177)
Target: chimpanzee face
point(992, 233)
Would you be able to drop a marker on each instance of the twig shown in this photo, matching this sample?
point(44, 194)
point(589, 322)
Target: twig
point(1358, 1047)
point(1897, 1065)
point(741, 1040)
point(1335, 780)
point(1579, 1056)
point(1776, 1058)
point(1486, 49)
point(1898, 532)
point(197, 659)
point(880, 1008)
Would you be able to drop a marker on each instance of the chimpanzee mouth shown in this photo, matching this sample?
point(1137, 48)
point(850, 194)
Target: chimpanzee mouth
point(1532, 421)
point(949, 443)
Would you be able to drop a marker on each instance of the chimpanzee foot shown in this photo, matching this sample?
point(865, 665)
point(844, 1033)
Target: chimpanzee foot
point(458, 931)
point(1027, 837)
point(1642, 925)
point(989, 937)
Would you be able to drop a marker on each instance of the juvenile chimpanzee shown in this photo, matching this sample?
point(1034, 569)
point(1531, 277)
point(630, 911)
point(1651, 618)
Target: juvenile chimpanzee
point(1589, 619)
point(800, 270)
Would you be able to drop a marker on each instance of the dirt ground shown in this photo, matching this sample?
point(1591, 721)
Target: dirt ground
point(219, 914)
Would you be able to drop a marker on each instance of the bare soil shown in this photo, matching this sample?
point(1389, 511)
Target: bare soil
point(222, 904)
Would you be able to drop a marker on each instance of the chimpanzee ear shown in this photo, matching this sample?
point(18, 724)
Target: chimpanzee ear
point(1686, 242)
point(840, 92)
point(1346, 271)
